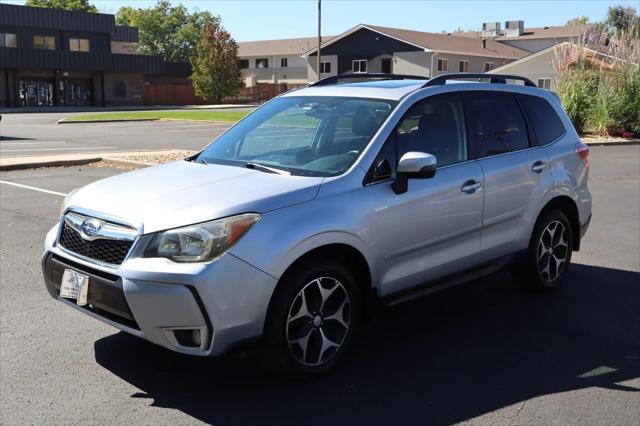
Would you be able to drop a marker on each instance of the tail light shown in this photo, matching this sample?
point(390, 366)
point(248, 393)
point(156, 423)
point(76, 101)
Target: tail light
point(583, 151)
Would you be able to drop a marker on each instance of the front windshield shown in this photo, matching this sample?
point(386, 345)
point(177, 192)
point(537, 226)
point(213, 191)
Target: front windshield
point(305, 136)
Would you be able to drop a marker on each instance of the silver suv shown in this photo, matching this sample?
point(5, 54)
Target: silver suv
point(325, 201)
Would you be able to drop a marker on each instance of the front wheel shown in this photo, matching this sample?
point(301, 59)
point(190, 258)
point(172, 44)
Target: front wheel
point(549, 254)
point(312, 318)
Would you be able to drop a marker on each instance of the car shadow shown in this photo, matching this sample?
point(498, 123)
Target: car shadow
point(442, 359)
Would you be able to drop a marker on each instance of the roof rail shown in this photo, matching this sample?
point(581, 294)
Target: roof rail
point(335, 79)
point(493, 78)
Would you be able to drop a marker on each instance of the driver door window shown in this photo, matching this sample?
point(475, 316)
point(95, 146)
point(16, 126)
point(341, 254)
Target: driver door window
point(435, 126)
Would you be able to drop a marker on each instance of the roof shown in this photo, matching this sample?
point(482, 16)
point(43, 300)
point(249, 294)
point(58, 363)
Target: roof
point(288, 46)
point(440, 42)
point(531, 57)
point(56, 19)
point(593, 53)
point(385, 89)
point(565, 31)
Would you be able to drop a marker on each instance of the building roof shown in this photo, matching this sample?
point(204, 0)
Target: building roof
point(595, 54)
point(56, 19)
point(565, 31)
point(439, 42)
point(288, 46)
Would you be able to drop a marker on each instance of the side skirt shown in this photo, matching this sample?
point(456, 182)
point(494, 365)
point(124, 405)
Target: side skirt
point(452, 280)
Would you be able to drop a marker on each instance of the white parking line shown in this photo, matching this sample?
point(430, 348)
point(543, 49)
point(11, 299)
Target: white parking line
point(30, 143)
point(33, 188)
point(57, 149)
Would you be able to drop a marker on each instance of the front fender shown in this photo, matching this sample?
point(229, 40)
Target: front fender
point(282, 237)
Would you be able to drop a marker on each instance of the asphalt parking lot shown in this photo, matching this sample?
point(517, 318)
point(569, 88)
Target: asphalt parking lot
point(38, 134)
point(483, 353)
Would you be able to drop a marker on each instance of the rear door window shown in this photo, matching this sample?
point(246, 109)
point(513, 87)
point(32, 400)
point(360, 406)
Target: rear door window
point(546, 124)
point(496, 124)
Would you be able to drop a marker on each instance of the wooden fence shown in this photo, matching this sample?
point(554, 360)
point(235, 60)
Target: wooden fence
point(183, 94)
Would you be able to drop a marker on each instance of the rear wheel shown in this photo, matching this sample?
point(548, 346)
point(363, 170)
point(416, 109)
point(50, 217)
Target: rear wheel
point(549, 254)
point(312, 318)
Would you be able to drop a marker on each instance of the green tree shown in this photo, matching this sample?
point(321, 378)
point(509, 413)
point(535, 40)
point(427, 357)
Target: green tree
point(620, 18)
point(171, 32)
point(78, 5)
point(580, 20)
point(215, 67)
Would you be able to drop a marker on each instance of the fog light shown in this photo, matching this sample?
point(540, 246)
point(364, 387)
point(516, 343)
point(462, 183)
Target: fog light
point(188, 337)
point(195, 336)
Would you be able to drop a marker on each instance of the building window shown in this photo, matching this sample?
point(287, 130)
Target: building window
point(284, 62)
point(443, 65)
point(8, 40)
point(79, 44)
point(119, 89)
point(44, 42)
point(243, 64)
point(488, 66)
point(359, 65)
point(544, 83)
point(325, 67)
point(262, 63)
point(464, 66)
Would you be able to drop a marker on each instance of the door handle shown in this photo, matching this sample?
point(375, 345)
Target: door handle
point(538, 166)
point(470, 186)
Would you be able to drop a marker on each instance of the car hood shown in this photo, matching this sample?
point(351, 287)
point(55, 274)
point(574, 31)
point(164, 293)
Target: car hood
point(183, 192)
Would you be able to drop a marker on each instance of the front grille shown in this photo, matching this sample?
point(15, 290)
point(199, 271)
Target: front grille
point(108, 251)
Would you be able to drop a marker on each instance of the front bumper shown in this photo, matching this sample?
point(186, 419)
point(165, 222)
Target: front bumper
point(584, 226)
point(225, 301)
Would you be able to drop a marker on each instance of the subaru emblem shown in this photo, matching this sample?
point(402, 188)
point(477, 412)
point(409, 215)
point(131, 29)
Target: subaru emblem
point(90, 227)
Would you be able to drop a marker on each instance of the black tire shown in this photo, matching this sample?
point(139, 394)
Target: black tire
point(282, 357)
point(533, 272)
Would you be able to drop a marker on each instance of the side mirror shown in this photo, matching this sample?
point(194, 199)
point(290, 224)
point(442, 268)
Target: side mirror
point(413, 165)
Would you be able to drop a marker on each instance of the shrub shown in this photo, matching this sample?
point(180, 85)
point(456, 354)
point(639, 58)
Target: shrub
point(599, 84)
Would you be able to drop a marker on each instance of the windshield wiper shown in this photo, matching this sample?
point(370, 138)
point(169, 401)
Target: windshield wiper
point(263, 168)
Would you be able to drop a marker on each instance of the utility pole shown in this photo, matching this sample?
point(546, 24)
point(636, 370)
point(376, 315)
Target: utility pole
point(319, 37)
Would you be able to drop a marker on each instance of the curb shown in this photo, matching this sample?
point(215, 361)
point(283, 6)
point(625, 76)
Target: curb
point(133, 164)
point(55, 163)
point(64, 121)
point(198, 121)
point(615, 143)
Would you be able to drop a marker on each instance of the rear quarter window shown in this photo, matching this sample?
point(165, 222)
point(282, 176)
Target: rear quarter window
point(544, 119)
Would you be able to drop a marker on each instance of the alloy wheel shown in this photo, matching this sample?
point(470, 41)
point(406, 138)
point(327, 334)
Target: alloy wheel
point(318, 321)
point(552, 250)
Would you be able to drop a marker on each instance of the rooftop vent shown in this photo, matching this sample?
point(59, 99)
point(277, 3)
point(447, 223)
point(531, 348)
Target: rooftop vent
point(491, 29)
point(513, 28)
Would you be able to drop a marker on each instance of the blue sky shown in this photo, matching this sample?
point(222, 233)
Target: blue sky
point(269, 19)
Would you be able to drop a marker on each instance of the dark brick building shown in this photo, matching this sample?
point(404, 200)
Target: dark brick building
point(52, 57)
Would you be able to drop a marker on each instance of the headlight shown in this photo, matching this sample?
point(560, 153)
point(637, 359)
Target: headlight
point(201, 242)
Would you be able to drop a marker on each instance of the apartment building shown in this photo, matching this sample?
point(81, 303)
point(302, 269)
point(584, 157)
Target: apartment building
point(369, 48)
point(278, 62)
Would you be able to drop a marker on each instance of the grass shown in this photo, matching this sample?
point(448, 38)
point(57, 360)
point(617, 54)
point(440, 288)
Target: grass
point(203, 115)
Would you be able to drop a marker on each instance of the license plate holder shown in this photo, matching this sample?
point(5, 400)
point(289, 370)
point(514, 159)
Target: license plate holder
point(74, 285)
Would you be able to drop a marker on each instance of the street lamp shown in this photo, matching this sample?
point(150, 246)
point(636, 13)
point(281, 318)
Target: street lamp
point(319, 37)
